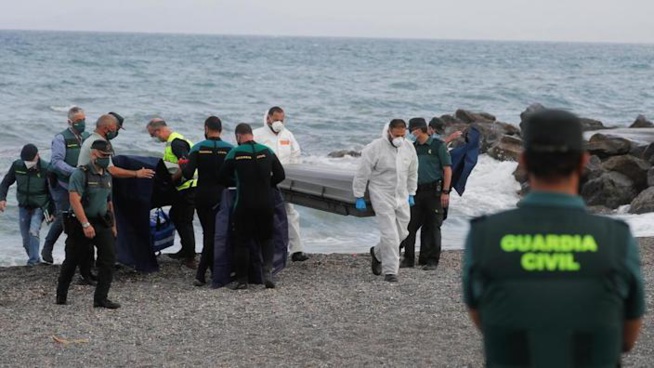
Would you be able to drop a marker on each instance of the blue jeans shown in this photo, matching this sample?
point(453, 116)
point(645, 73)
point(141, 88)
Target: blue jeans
point(30, 226)
point(62, 203)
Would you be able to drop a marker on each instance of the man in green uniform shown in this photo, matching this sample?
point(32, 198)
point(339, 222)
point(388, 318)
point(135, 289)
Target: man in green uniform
point(30, 174)
point(65, 151)
point(433, 194)
point(256, 171)
point(93, 224)
point(549, 284)
point(182, 210)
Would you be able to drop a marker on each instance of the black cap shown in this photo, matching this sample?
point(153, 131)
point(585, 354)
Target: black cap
point(437, 124)
point(119, 118)
point(417, 123)
point(102, 146)
point(28, 153)
point(552, 131)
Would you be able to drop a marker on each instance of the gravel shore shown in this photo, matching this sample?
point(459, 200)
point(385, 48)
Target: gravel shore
point(327, 311)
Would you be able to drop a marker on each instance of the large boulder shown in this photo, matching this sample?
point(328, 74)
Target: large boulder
point(632, 167)
point(451, 120)
point(593, 169)
point(641, 122)
point(591, 124)
point(471, 117)
point(648, 154)
point(644, 202)
point(650, 177)
point(606, 145)
point(637, 150)
point(611, 190)
point(508, 148)
point(491, 133)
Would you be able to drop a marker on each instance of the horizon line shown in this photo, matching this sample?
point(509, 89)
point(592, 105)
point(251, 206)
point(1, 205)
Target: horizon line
point(353, 37)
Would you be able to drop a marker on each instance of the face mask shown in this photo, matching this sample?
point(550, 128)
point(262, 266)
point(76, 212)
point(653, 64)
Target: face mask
point(411, 138)
point(436, 136)
point(30, 164)
point(79, 126)
point(112, 135)
point(103, 162)
point(277, 126)
point(397, 141)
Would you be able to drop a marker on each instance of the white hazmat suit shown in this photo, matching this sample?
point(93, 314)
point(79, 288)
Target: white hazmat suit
point(391, 175)
point(287, 149)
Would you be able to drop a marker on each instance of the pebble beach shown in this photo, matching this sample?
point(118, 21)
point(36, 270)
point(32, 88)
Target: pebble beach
point(329, 311)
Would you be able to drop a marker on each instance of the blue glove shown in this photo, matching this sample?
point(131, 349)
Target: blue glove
point(411, 201)
point(360, 204)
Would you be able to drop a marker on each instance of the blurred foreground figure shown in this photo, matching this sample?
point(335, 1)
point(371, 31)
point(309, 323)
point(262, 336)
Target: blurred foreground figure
point(549, 284)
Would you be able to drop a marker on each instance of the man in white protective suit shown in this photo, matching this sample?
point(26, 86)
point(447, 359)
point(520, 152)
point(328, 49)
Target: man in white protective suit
point(282, 142)
point(389, 167)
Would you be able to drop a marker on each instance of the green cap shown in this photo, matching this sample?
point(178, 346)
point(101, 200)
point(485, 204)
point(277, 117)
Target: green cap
point(552, 131)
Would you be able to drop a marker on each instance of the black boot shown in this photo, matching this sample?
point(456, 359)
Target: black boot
point(61, 298)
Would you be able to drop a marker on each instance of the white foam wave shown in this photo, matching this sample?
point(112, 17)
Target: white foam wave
point(60, 108)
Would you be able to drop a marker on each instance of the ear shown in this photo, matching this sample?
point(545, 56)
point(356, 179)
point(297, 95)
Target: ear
point(522, 161)
point(585, 159)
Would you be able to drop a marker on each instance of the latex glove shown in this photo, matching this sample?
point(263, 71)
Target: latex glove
point(360, 204)
point(411, 201)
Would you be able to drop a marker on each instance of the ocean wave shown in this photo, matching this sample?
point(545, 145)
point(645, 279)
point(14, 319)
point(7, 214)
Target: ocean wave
point(61, 108)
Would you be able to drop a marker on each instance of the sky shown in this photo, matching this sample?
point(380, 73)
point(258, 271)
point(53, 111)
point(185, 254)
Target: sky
point(525, 20)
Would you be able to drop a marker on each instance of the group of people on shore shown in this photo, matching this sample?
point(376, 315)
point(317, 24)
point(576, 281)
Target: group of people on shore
point(548, 284)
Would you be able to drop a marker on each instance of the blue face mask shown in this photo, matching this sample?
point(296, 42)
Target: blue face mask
point(410, 137)
point(112, 135)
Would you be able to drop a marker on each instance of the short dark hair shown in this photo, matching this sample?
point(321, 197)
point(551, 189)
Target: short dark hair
point(552, 165)
point(396, 123)
point(437, 124)
point(243, 128)
point(274, 109)
point(214, 124)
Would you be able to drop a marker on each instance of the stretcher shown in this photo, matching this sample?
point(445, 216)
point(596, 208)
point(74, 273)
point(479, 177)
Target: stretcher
point(323, 188)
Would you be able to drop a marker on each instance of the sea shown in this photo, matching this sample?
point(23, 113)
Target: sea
point(337, 93)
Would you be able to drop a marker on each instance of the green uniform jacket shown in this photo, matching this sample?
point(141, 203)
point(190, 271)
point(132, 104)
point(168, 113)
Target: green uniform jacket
point(32, 185)
point(552, 284)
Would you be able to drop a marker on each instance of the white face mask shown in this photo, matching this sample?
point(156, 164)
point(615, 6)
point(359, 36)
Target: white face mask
point(277, 126)
point(398, 141)
point(30, 164)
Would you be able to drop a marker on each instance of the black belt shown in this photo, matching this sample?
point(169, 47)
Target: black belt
point(435, 185)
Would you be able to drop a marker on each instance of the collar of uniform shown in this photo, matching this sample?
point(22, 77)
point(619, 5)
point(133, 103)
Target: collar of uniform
point(95, 171)
point(552, 199)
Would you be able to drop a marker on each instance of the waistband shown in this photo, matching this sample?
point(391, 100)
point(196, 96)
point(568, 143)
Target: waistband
point(434, 185)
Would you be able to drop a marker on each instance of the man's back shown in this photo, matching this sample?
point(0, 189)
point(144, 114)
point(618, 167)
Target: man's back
point(256, 170)
point(553, 284)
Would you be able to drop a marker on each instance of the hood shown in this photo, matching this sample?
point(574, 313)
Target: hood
point(265, 117)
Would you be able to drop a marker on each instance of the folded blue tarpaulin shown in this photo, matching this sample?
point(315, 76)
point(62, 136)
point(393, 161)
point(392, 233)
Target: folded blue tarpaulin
point(464, 159)
point(222, 266)
point(133, 198)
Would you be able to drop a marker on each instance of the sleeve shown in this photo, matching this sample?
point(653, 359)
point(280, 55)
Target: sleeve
point(180, 148)
point(278, 174)
point(412, 177)
point(59, 154)
point(7, 181)
point(77, 182)
point(226, 173)
point(468, 294)
point(635, 301)
point(362, 176)
point(188, 169)
point(444, 156)
point(296, 152)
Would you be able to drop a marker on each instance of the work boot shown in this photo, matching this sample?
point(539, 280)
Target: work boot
point(375, 265)
point(391, 278)
point(299, 257)
point(407, 263)
point(46, 258)
point(105, 304)
point(268, 280)
point(198, 282)
point(61, 299)
point(430, 266)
